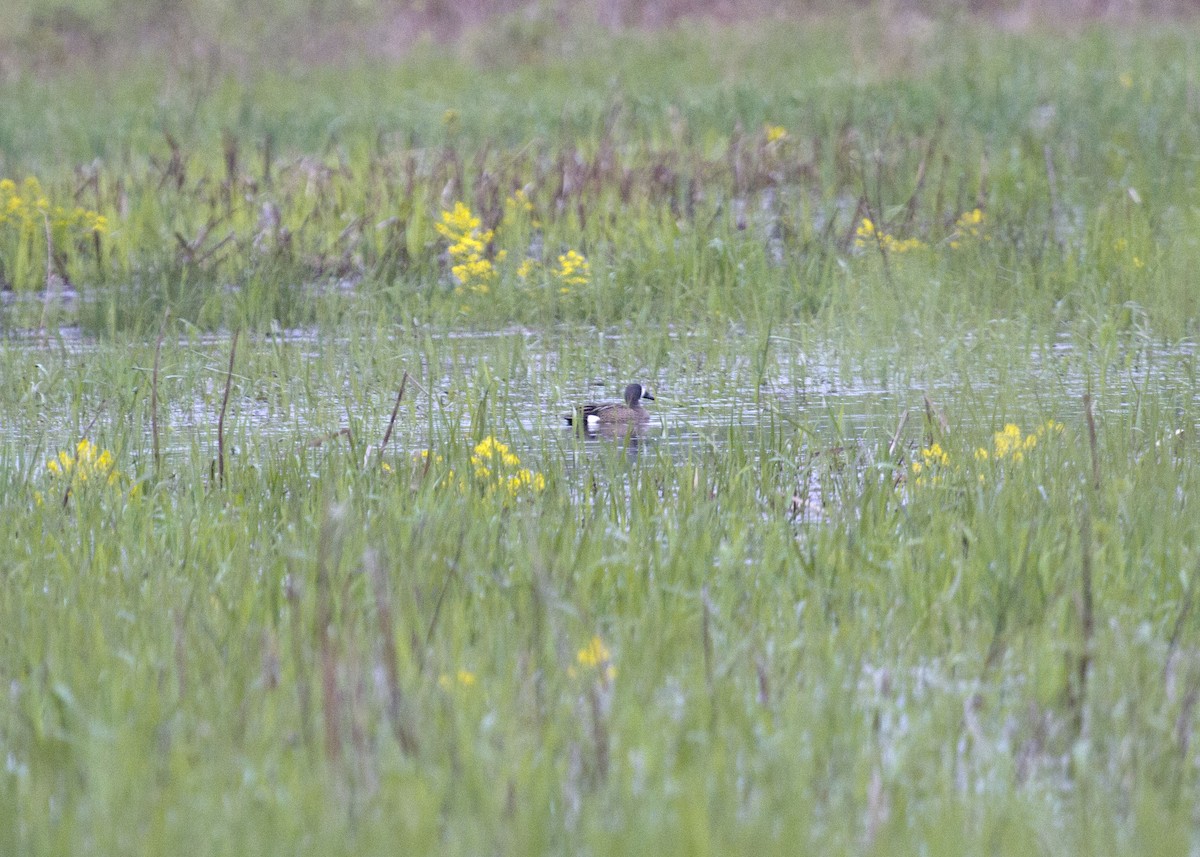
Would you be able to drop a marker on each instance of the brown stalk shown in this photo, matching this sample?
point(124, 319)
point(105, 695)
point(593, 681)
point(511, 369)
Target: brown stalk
point(706, 638)
point(49, 275)
point(1185, 609)
point(451, 576)
point(896, 434)
point(1183, 723)
point(397, 709)
point(291, 591)
point(387, 435)
point(71, 479)
point(896, 443)
point(224, 406)
point(1052, 182)
point(331, 708)
point(1077, 696)
point(600, 738)
point(268, 155)
point(933, 416)
point(1091, 424)
point(154, 388)
point(910, 208)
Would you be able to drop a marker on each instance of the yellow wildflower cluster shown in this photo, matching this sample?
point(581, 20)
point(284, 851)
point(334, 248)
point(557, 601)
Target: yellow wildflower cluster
point(1121, 247)
point(30, 206)
point(496, 467)
point(527, 267)
point(519, 215)
point(774, 133)
point(519, 202)
point(594, 658)
point(1010, 444)
point(969, 227)
point(86, 465)
point(461, 678)
point(867, 235)
point(931, 465)
point(31, 228)
point(88, 462)
point(573, 270)
point(468, 246)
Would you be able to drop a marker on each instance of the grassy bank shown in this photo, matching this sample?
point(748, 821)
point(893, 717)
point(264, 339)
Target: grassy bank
point(695, 184)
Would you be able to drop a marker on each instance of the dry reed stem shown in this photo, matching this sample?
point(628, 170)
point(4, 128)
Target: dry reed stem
point(1077, 696)
point(707, 644)
point(224, 407)
point(291, 591)
point(331, 701)
point(162, 331)
point(1091, 425)
point(934, 416)
point(1185, 608)
point(397, 709)
point(49, 277)
point(600, 735)
point(1052, 183)
point(387, 434)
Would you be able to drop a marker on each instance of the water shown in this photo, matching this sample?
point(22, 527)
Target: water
point(304, 386)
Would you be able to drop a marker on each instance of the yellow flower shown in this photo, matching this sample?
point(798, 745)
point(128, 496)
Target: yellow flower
point(1011, 444)
point(496, 467)
point(774, 132)
point(87, 463)
point(573, 269)
point(519, 201)
point(970, 225)
point(934, 454)
point(594, 656)
point(462, 678)
point(932, 459)
point(467, 246)
point(526, 268)
point(867, 235)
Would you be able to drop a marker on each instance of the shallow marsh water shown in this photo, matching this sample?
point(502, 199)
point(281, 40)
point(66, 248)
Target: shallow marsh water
point(302, 387)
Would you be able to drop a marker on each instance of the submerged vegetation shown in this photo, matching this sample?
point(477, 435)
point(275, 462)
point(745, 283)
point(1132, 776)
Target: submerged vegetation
point(298, 557)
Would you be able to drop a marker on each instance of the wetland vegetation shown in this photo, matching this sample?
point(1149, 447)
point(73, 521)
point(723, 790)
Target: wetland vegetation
point(299, 557)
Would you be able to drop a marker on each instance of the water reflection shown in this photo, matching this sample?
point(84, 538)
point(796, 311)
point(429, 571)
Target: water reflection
point(628, 438)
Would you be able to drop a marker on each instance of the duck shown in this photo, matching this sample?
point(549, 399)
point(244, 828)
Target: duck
point(629, 412)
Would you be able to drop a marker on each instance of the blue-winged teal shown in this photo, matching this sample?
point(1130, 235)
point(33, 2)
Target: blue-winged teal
point(629, 412)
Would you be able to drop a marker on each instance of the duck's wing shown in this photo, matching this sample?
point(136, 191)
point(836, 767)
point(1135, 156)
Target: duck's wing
point(587, 413)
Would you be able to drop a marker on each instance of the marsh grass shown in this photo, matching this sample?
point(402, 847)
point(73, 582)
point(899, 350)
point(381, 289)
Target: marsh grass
point(691, 197)
point(351, 639)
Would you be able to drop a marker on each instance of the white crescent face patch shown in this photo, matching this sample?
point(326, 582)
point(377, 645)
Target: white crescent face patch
point(593, 420)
